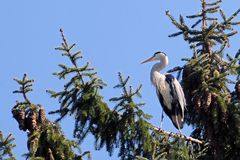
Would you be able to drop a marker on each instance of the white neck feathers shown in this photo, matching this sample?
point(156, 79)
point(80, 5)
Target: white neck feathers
point(158, 67)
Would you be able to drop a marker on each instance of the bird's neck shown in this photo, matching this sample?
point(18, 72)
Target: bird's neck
point(158, 67)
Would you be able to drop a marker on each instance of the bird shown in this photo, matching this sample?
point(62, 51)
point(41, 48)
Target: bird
point(168, 89)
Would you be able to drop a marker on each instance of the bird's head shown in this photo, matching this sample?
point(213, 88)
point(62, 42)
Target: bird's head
point(157, 56)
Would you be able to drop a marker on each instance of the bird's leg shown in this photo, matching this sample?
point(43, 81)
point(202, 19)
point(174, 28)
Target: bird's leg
point(180, 131)
point(161, 123)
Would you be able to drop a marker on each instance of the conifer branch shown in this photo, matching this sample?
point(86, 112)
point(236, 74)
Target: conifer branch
point(25, 87)
point(72, 56)
point(179, 26)
point(197, 22)
point(233, 15)
point(6, 147)
point(214, 3)
point(82, 87)
point(204, 15)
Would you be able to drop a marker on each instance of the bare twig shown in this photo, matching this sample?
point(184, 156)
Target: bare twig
point(175, 135)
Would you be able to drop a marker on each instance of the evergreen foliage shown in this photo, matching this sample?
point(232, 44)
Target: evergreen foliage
point(45, 139)
point(212, 110)
point(80, 96)
point(124, 126)
point(6, 147)
point(205, 78)
point(132, 125)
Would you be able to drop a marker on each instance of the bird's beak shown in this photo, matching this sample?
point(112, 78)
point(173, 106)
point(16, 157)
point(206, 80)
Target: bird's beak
point(148, 60)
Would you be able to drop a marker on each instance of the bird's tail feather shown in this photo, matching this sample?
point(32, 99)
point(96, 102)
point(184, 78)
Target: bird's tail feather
point(178, 116)
point(177, 121)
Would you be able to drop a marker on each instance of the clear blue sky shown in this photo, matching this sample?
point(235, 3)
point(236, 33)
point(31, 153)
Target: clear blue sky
point(113, 36)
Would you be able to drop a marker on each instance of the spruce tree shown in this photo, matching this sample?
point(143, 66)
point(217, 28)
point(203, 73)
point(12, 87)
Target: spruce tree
point(45, 138)
point(212, 109)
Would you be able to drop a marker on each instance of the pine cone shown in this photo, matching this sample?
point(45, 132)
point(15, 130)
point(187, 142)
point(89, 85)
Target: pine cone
point(207, 101)
point(19, 115)
point(41, 115)
point(32, 121)
point(21, 120)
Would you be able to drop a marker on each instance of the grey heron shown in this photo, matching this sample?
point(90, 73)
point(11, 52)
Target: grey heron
point(169, 90)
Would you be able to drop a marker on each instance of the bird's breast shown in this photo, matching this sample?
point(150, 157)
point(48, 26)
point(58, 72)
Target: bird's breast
point(163, 88)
